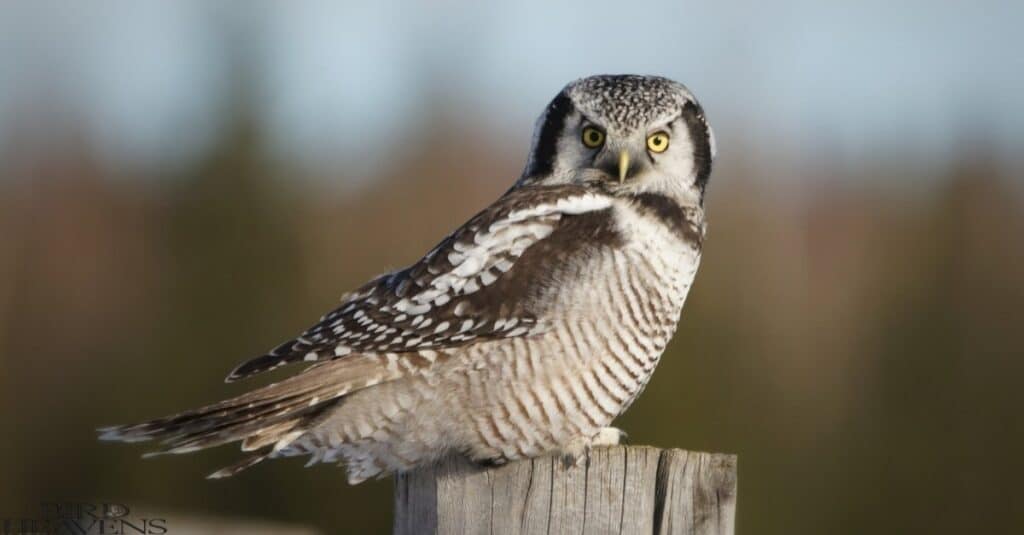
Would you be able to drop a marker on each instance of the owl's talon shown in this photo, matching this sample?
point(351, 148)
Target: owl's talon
point(492, 462)
point(609, 436)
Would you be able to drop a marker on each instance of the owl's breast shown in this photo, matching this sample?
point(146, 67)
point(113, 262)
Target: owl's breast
point(639, 299)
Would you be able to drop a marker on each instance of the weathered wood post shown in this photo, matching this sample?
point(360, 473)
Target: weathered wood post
point(627, 490)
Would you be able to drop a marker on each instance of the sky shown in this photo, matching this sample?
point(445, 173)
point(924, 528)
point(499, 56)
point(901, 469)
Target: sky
point(869, 79)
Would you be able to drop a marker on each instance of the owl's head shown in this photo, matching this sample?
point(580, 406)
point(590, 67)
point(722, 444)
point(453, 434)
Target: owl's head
point(624, 134)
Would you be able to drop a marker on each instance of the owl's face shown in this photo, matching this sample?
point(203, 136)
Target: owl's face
point(624, 134)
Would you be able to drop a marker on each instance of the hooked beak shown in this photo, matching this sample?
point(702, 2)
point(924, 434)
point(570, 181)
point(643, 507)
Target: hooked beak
point(623, 165)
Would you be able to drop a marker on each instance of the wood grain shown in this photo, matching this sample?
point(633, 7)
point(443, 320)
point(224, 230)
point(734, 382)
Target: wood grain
point(625, 490)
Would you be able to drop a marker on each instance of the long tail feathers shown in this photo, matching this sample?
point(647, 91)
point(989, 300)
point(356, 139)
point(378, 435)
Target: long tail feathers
point(267, 419)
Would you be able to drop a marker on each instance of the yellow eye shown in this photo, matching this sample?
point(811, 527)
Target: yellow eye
point(593, 137)
point(657, 142)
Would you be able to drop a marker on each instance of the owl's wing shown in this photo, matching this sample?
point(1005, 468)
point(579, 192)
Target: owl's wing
point(484, 281)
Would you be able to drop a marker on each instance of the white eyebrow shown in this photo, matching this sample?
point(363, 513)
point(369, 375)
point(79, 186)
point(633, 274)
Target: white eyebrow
point(669, 123)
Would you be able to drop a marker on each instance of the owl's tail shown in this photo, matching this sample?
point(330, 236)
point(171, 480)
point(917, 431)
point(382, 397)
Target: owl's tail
point(266, 420)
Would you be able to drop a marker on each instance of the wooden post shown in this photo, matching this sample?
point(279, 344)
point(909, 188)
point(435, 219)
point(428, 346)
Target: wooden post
point(627, 490)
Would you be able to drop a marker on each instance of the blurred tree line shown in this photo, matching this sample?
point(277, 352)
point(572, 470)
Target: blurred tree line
point(856, 342)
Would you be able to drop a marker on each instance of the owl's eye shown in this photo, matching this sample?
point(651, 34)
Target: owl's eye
point(657, 142)
point(593, 137)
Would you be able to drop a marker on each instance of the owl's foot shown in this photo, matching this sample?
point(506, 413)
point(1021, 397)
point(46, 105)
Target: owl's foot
point(492, 462)
point(576, 451)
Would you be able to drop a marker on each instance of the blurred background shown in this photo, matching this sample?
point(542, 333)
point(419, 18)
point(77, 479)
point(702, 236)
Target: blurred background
point(185, 184)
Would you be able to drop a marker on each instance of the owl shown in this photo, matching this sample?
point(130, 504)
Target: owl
point(524, 332)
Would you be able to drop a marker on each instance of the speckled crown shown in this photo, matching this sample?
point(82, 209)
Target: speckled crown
point(628, 101)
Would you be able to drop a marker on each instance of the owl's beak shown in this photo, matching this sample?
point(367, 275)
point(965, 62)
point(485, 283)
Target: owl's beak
point(623, 165)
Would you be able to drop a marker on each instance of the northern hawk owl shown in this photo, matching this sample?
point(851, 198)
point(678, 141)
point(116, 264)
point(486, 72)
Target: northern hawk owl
point(526, 331)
